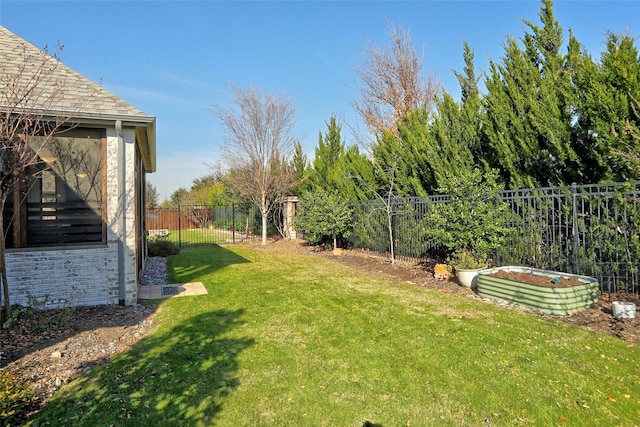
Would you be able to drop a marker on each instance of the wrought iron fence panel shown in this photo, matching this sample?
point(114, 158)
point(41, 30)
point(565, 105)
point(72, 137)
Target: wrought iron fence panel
point(205, 225)
point(539, 229)
point(371, 227)
point(590, 230)
point(608, 222)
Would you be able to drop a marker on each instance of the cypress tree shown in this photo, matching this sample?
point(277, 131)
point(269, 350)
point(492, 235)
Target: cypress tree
point(528, 125)
point(606, 107)
point(407, 155)
point(330, 149)
point(339, 169)
point(301, 169)
point(472, 113)
point(357, 174)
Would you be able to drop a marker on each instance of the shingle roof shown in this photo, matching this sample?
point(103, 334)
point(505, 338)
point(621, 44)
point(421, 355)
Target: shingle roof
point(67, 92)
point(78, 95)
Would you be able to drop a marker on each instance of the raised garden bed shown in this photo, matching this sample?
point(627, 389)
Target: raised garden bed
point(551, 292)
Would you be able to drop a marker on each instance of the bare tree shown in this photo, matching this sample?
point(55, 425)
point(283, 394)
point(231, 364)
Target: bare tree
point(391, 203)
point(196, 207)
point(258, 142)
point(30, 94)
point(391, 82)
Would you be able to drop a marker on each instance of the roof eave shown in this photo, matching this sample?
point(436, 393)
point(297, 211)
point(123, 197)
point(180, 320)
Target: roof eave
point(145, 127)
point(146, 137)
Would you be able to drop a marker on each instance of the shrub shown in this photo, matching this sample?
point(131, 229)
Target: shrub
point(16, 396)
point(321, 213)
point(17, 311)
point(469, 225)
point(161, 246)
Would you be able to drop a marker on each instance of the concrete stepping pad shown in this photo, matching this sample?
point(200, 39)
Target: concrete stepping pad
point(168, 291)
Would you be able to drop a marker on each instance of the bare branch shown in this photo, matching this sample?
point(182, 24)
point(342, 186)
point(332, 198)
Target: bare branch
point(30, 89)
point(392, 83)
point(258, 144)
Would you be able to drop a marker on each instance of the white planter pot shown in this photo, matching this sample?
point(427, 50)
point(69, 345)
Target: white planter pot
point(468, 277)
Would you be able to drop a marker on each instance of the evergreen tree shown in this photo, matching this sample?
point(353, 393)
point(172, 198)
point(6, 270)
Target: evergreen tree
point(357, 174)
point(407, 155)
point(471, 112)
point(528, 124)
point(451, 132)
point(331, 148)
point(605, 107)
point(300, 165)
point(338, 168)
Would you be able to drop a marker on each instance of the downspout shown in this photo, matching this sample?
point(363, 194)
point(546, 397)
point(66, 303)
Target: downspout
point(122, 203)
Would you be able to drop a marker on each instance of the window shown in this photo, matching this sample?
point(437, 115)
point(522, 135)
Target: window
point(61, 199)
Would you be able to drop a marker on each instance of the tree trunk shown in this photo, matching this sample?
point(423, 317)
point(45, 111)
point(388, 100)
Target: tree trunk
point(264, 210)
point(335, 241)
point(264, 228)
point(3, 263)
point(390, 224)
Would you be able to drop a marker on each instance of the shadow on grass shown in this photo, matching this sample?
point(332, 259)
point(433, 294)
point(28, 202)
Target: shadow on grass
point(178, 377)
point(193, 262)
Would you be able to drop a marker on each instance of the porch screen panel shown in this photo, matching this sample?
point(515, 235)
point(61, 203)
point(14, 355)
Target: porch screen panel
point(64, 202)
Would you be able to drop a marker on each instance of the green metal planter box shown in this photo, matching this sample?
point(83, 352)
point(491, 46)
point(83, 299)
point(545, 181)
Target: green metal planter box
point(549, 299)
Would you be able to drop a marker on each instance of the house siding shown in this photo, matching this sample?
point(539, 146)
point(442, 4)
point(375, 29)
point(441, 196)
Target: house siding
point(89, 275)
point(62, 277)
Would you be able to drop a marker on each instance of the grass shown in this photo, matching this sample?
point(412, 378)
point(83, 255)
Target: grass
point(284, 339)
point(205, 236)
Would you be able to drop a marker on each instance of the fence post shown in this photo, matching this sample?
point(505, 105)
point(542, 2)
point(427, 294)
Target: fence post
point(179, 229)
point(233, 222)
point(576, 236)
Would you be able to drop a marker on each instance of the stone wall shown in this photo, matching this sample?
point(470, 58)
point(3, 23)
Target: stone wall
point(121, 211)
point(62, 277)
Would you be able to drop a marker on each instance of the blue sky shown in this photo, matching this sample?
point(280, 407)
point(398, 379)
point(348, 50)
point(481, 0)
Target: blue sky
point(176, 60)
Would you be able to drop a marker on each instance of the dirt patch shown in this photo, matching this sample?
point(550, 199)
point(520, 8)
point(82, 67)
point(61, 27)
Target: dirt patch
point(49, 348)
point(538, 279)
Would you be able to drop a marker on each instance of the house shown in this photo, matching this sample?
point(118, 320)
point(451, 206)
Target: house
point(75, 228)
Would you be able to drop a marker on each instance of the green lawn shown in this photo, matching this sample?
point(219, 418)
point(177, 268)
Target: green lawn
point(294, 340)
point(206, 236)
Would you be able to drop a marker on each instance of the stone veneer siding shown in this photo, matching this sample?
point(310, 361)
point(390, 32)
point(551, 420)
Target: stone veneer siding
point(56, 278)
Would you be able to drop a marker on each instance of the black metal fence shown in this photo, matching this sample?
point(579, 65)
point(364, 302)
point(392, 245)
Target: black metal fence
point(590, 230)
point(202, 225)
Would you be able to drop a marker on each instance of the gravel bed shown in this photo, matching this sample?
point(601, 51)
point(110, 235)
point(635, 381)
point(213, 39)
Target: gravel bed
point(155, 271)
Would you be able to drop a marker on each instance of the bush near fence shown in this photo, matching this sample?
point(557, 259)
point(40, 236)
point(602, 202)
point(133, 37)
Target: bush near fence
point(590, 230)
